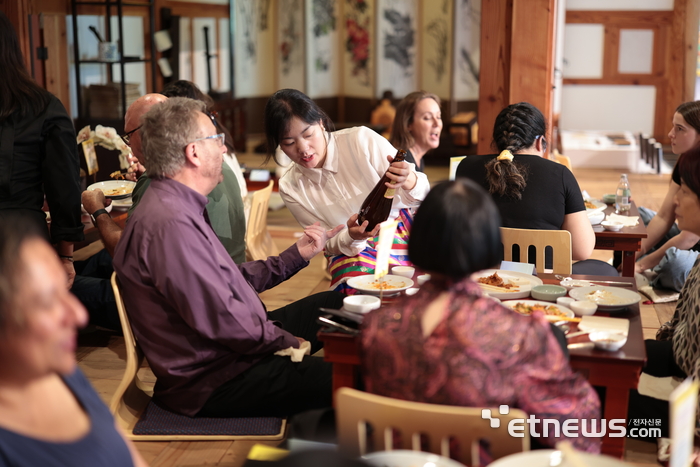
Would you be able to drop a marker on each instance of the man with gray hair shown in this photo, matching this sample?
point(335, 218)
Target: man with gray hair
point(196, 314)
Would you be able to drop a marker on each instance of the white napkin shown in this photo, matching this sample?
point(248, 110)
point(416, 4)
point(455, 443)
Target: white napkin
point(297, 355)
point(628, 221)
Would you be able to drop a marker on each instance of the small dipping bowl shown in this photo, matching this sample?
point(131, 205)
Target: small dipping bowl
point(548, 293)
point(583, 307)
point(612, 226)
point(605, 340)
point(412, 291)
point(361, 303)
point(423, 278)
point(609, 198)
point(405, 271)
point(565, 301)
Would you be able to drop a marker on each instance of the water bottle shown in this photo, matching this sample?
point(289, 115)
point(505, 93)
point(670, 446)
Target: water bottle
point(622, 195)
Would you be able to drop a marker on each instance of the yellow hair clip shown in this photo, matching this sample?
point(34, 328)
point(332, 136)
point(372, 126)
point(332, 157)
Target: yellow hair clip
point(505, 155)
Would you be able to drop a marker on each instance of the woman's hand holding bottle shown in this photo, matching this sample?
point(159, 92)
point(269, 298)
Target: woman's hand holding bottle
point(359, 231)
point(401, 175)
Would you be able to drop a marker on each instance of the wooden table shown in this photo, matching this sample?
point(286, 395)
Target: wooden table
point(628, 240)
point(617, 372)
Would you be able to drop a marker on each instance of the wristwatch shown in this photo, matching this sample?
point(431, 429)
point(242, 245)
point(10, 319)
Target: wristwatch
point(97, 214)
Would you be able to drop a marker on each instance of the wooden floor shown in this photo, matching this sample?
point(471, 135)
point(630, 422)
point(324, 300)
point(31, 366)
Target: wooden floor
point(101, 354)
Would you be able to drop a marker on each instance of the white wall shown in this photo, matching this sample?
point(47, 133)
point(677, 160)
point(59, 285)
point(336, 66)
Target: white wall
point(609, 108)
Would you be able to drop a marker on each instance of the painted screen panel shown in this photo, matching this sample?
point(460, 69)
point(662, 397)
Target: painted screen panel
point(322, 63)
point(467, 49)
point(436, 49)
point(290, 44)
point(358, 53)
point(253, 47)
point(397, 47)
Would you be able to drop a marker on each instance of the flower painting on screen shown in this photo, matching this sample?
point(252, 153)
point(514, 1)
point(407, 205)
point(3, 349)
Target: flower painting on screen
point(357, 24)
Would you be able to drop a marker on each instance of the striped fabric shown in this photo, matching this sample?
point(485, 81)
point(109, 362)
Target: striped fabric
point(343, 267)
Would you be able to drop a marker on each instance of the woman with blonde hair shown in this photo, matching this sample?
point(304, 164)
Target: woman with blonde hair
point(417, 126)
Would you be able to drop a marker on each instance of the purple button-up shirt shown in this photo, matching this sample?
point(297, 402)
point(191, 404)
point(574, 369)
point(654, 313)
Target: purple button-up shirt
point(196, 315)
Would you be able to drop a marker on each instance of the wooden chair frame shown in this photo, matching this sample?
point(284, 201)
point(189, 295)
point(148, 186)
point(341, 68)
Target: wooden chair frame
point(133, 395)
point(559, 240)
point(259, 243)
point(355, 409)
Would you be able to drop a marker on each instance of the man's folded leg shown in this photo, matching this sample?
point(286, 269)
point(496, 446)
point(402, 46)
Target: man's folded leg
point(275, 386)
point(299, 318)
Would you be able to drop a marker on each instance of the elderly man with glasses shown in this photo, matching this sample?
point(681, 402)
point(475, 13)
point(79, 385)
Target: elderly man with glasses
point(202, 327)
point(225, 210)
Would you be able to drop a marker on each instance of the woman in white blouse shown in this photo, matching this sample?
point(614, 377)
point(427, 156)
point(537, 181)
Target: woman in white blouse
point(330, 176)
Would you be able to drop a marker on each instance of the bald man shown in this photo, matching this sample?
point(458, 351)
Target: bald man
point(224, 208)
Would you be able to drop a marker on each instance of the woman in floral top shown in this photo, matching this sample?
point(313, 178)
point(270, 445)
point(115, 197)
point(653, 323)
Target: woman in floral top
point(676, 350)
point(448, 344)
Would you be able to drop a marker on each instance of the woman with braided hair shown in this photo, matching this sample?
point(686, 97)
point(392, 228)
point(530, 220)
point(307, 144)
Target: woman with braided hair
point(532, 192)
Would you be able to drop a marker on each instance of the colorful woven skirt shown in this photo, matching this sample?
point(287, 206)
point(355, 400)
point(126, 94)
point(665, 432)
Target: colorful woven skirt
point(343, 267)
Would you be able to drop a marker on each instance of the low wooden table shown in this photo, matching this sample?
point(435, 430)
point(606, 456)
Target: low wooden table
point(617, 372)
point(628, 240)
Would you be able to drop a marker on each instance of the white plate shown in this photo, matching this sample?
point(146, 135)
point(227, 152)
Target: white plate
point(545, 457)
point(611, 298)
point(122, 203)
point(108, 209)
point(405, 458)
point(525, 283)
point(367, 284)
point(566, 311)
point(126, 187)
point(599, 205)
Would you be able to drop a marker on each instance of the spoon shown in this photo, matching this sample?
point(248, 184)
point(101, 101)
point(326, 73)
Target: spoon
point(626, 284)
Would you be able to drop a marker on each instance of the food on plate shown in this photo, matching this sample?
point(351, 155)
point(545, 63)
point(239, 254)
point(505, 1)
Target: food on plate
point(497, 281)
point(604, 297)
point(526, 309)
point(122, 190)
point(590, 205)
point(384, 285)
point(118, 175)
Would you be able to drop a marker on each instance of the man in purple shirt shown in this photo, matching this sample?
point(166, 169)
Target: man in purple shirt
point(196, 314)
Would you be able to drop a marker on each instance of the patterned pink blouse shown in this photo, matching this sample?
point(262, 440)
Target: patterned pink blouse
point(481, 354)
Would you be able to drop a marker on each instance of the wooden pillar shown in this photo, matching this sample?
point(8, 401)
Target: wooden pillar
point(517, 60)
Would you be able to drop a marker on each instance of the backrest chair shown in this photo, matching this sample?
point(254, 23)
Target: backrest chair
point(131, 405)
point(558, 240)
point(439, 423)
point(259, 243)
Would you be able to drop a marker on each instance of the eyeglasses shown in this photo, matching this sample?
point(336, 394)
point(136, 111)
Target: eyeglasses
point(219, 139)
point(127, 136)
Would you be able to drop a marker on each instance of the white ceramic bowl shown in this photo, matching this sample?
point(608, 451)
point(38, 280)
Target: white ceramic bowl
point(412, 291)
point(361, 303)
point(570, 283)
point(583, 307)
point(423, 278)
point(613, 226)
point(596, 217)
point(405, 271)
point(605, 340)
point(565, 301)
